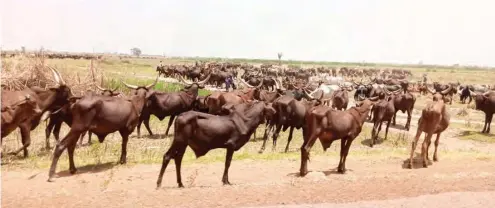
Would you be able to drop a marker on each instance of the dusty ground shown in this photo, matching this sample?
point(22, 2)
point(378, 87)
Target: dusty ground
point(255, 184)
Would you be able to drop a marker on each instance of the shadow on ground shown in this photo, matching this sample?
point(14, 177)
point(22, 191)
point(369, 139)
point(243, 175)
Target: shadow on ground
point(93, 168)
point(417, 162)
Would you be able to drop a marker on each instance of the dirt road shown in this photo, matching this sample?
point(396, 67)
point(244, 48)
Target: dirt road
point(256, 183)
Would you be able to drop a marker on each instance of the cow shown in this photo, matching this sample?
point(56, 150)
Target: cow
point(289, 112)
point(329, 125)
point(163, 104)
point(204, 132)
point(434, 120)
point(47, 100)
point(485, 102)
point(382, 111)
point(340, 98)
point(63, 115)
point(17, 112)
point(403, 102)
point(103, 115)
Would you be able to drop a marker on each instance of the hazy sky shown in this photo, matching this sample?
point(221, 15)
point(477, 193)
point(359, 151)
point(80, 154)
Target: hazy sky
point(400, 31)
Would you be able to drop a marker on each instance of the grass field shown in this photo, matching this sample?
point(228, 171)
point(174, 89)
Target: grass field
point(151, 149)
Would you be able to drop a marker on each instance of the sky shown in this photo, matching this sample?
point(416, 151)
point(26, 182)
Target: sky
point(392, 31)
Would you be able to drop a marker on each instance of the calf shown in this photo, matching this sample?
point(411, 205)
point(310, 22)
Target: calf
point(17, 112)
point(103, 115)
point(383, 110)
point(434, 120)
point(204, 132)
point(329, 125)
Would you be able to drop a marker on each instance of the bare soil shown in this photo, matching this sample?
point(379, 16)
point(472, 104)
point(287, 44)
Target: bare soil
point(255, 183)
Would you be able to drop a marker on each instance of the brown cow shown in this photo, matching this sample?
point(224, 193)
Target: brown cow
point(329, 125)
point(47, 101)
point(103, 115)
point(204, 132)
point(383, 110)
point(163, 104)
point(403, 102)
point(434, 120)
point(340, 98)
point(64, 115)
point(17, 112)
point(485, 102)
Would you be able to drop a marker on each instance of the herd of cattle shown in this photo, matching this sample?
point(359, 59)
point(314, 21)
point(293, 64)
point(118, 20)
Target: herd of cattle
point(315, 100)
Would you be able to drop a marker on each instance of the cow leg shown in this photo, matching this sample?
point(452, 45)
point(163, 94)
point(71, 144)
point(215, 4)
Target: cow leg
point(340, 168)
point(424, 149)
point(48, 131)
point(171, 153)
point(386, 130)
point(268, 129)
point(26, 139)
point(437, 142)
point(89, 138)
point(374, 133)
point(70, 150)
point(81, 138)
point(408, 124)
point(56, 131)
point(228, 160)
point(178, 162)
point(71, 137)
point(305, 148)
point(146, 121)
point(275, 136)
point(346, 152)
point(170, 121)
point(125, 139)
point(414, 144)
point(289, 139)
point(488, 120)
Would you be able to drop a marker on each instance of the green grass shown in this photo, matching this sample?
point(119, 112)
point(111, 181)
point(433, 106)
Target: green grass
point(476, 135)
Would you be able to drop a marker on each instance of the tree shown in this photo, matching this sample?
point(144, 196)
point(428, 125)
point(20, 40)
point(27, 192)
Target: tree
point(136, 51)
point(280, 54)
point(23, 50)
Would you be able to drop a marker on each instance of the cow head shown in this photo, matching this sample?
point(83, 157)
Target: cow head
point(193, 87)
point(439, 95)
point(142, 91)
point(481, 100)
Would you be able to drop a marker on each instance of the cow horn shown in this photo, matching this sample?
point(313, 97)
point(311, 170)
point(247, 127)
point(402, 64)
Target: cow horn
point(45, 116)
point(184, 80)
point(61, 79)
point(486, 93)
point(444, 92)
point(247, 84)
point(205, 80)
point(100, 88)
point(153, 84)
point(430, 90)
point(129, 85)
point(373, 98)
point(55, 75)
point(309, 95)
point(276, 83)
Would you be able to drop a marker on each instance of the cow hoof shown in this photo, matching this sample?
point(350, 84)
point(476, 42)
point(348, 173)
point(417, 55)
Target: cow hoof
point(409, 166)
point(122, 162)
point(341, 171)
point(50, 179)
point(73, 171)
point(181, 185)
point(227, 183)
point(435, 159)
point(425, 165)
